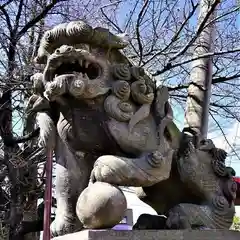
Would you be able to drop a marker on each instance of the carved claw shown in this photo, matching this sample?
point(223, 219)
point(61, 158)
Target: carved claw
point(56, 88)
point(48, 95)
point(62, 225)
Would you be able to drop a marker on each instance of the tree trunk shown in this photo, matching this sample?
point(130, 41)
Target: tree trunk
point(199, 90)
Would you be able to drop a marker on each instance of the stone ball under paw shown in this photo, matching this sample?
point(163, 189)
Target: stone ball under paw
point(101, 205)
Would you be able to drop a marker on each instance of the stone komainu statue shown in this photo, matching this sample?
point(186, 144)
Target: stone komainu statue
point(108, 121)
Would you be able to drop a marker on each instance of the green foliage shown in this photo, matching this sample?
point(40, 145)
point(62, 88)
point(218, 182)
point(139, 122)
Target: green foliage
point(3, 232)
point(236, 224)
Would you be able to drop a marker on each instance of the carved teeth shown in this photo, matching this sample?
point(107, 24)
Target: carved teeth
point(80, 61)
point(86, 64)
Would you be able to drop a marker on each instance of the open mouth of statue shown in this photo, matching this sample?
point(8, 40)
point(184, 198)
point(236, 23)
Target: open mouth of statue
point(85, 68)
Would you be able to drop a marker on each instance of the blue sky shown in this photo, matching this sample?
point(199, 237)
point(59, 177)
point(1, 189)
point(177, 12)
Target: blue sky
point(232, 128)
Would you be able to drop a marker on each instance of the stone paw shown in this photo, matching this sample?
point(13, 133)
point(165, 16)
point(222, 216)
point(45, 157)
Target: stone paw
point(176, 220)
point(144, 171)
point(49, 95)
point(61, 226)
point(53, 90)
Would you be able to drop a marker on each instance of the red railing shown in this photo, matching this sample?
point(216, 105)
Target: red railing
point(237, 180)
point(48, 197)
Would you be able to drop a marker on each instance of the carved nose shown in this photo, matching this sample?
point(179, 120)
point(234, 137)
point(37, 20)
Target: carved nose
point(64, 49)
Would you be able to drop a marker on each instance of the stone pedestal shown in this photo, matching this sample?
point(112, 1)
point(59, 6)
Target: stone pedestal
point(152, 235)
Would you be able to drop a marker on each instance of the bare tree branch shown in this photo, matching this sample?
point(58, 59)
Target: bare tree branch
point(214, 81)
point(201, 27)
point(8, 21)
point(199, 30)
point(176, 35)
point(224, 135)
point(223, 15)
point(140, 47)
point(5, 4)
point(114, 24)
point(20, 7)
point(206, 55)
point(41, 15)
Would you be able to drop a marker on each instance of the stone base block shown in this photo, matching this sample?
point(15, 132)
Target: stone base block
point(152, 235)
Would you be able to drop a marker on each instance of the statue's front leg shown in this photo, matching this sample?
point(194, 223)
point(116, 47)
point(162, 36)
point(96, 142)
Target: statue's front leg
point(142, 171)
point(72, 176)
point(65, 219)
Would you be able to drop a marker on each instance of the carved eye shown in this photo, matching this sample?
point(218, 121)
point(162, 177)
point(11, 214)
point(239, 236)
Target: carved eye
point(203, 142)
point(69, 49)
point(57, 51)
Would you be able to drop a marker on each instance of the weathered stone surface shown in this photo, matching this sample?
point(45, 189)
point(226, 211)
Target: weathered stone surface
point(108, 121)
point(153, 235)
point(107, 209)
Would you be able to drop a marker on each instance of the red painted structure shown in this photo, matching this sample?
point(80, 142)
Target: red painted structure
point(237, 180)
point(48, 197)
